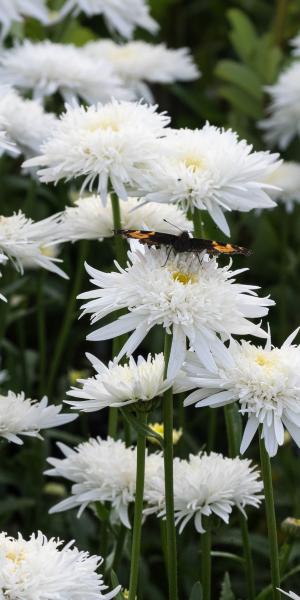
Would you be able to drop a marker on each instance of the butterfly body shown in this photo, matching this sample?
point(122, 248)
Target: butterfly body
point(182, 242)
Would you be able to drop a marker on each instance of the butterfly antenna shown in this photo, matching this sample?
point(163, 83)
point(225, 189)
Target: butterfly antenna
point(173, 225)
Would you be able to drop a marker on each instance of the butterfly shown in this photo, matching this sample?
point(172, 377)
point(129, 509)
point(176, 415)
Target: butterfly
point(182, 242)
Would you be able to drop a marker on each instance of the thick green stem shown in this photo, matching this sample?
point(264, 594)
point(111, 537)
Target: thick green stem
point(206, 560)
point(68, 318)
point(280, 20)
point(169, 491)
point(138, 510)
point(198, 226)
point(233, 450)
point(120, 255)
point(271, 519)
point(41, 331)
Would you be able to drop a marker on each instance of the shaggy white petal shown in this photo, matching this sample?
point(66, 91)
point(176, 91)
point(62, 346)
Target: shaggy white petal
point(101, 470)
point(119, 385)
point(23, 416)
point(264, 381)
point(12, 11)
point(283, 122)
point(29, 244)
point(210, 169)
point(200, 298)
point(138, 62)
point(26, 123)
point(205, 484)
point(88, 219)
point(46, 68)
point(120, 16)
point(290, 594)
point(41, 568)
point(115, 143)
point(287, 179)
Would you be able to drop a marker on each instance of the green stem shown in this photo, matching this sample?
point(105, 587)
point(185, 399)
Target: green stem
point(138, 509)
point(198, 226)
point(279, 21)
point(233, 450)
point(68, 317)
point(41, 331)
point(206, 560)
point(169, 492)
point(120, 255)
point(271, 519)
point(120, 249)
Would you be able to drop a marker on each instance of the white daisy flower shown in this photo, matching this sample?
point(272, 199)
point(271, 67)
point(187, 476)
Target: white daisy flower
point(6, 145)
point(47, 68)
point(111, 144)
point(12, 11)
point(26, 242)
point(212, 170)
point(120, 385)
point(26, 123)
point(23, 416)
point(205, 485)
point(265, 382)
point(101, 471)
point(287, 180)
point(3, 261)
point(139, 63)
point(295, 43)
point(198, 299)
point(283, 122)
point(88, 219)
point(119, 16)
point(290, 594)
point(41, 568)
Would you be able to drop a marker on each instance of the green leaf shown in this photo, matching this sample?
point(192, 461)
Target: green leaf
point(226, 589)
point(115, 583)
point(241, 101)
point(243, 35)
point(102, 511)
point(77, 34)
point(240, 75)
point(12, 504)
point(143, 429)
point(196, 593)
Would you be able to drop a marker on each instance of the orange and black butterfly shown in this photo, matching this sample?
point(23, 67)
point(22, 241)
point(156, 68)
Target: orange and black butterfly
point(182, 242)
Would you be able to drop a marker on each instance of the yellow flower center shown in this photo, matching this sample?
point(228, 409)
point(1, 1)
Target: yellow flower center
point(104, 124)
point(263, 360)
point(184, 278)
point(48, 251)
point(15, 556)
point(194, 163)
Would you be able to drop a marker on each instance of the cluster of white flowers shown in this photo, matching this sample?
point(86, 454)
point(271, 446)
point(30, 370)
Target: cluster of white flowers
point(29, 244)
point(46, 68)
point(110, 144)
point(41, 568)
point(105, 471)
point(287, 180)
point(24, 121)
point(120, 385)
point(12, 11)
point(283, 122)
point(204, 485)
point(88, 219)
point(119, 16)
point(199, 299)
point(139, 63)
point(265, 382)
point(23, 416)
